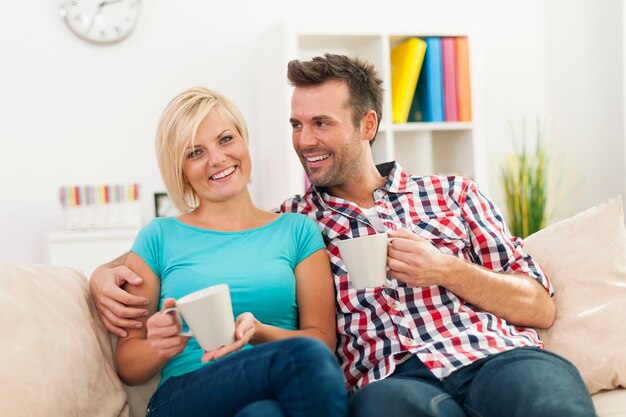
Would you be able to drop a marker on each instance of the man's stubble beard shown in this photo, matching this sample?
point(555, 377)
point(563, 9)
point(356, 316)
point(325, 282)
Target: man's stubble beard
point(346, 166)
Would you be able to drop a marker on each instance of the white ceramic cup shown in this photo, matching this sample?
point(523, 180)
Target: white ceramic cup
point(365, 259)
point(209, 316)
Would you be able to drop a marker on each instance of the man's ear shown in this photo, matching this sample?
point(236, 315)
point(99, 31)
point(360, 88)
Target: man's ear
point(369, 123)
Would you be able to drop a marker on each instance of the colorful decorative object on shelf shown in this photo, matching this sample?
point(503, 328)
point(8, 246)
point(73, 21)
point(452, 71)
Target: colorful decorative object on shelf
point(442, 93)
point(101, 206)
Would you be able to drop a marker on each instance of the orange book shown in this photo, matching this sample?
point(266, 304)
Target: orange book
point(406, 63)
point(463, 94)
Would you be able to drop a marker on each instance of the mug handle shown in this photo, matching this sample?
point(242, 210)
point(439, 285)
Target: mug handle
point(389, 240)
point(169, 310)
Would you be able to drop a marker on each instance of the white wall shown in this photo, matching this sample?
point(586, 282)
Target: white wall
point(585, 72)
point(76, 113)
point(512, 78)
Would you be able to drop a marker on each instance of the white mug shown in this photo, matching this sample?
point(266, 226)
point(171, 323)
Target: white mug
point(209, 316)
point(365, 258)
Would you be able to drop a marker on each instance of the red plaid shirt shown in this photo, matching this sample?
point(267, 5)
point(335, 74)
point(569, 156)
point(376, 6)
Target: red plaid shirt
point(379, 327)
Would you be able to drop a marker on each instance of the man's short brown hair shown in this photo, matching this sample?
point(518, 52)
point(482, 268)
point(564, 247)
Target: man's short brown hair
point(364, 84)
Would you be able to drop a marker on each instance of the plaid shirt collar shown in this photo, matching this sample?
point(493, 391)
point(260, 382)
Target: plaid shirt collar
point(397, 180)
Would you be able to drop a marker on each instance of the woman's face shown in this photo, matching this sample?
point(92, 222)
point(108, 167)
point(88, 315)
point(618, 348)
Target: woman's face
point(217, 166)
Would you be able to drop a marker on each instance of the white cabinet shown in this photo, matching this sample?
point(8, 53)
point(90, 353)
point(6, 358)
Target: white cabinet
point(87, 249)
point(421, 148)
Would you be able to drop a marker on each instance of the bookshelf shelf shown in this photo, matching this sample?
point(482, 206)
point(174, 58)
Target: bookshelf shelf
point(428, 126)
point(422, 148)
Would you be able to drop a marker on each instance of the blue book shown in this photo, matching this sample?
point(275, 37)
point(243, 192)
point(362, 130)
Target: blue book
point(428, 101)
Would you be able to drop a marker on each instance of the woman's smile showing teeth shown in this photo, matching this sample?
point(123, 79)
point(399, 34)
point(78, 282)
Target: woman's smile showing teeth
point(222, 174)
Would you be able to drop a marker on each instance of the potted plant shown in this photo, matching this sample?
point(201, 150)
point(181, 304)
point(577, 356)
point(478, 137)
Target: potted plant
point(524, 178)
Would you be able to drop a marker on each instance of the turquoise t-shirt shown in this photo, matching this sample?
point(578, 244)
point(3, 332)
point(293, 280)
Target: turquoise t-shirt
point(257, 264)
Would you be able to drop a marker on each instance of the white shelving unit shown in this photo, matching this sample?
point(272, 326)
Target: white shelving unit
point(421, 148)
point(87, 249)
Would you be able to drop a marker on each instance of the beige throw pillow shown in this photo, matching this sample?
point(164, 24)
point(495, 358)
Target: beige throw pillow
point(55, 359)
point(585, 258)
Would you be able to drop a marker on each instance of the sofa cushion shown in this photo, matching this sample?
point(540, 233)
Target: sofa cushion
point(138, 395)
point(585, 257)
point(55, 358)
point(610, 403)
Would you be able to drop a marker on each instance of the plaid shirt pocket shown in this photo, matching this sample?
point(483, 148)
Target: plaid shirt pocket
point(448, 233)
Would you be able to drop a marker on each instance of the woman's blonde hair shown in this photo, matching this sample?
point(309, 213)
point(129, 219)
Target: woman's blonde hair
point(176, 133)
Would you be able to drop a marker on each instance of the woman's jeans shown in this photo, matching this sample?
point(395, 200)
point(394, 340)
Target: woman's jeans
point(296, 377)
point(523, 382)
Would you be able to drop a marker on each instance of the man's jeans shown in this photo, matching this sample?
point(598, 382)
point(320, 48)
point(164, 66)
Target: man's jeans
point(523, 382)
point(293, 377)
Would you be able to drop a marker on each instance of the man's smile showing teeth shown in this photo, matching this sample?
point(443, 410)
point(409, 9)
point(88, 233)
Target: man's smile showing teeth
point(317, 158)
point(223, 174)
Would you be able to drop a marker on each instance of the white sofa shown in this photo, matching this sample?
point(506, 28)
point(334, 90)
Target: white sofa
point(57, 360)
point(57, 356)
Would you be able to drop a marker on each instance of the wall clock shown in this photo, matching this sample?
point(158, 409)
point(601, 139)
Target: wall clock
point(100, 21)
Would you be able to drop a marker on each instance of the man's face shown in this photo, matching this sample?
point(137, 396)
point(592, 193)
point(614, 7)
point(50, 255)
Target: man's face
point(330, 148)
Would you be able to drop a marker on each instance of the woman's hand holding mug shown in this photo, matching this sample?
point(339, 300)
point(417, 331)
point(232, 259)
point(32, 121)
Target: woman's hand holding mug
point(163, 332)
point(245, 328)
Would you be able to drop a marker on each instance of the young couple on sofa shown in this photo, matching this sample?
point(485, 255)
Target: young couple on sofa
point(449, 334)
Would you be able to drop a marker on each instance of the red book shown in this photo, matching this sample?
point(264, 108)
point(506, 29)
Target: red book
point(449, 80)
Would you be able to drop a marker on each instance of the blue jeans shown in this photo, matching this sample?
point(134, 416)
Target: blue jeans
point(296, 377)
point(523, 382)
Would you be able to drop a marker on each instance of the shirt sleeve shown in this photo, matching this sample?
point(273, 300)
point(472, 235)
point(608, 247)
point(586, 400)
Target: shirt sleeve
point(309, 238)
point(148, 246)
point(491, 242)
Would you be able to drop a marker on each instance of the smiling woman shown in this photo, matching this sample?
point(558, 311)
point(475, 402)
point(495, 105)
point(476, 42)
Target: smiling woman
point(217, 162)
point(202, 140)
point(275, 266)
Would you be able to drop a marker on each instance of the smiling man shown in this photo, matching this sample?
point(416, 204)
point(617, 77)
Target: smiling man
point(450, 332)
point(329, 145)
